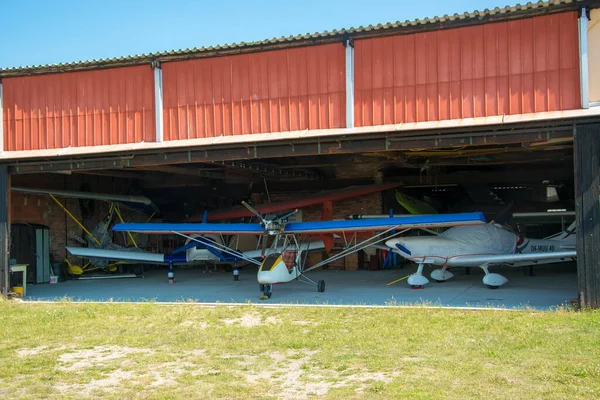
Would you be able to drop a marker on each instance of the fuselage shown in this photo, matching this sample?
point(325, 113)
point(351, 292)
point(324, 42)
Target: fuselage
point(462, 241)
point(280, 267)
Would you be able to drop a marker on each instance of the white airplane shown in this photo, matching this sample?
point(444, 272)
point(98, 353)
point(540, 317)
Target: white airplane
point(481, 246)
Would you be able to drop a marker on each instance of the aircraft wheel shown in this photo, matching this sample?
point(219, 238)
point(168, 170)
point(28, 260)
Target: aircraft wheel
point(321, 286)
point(267, 291)
point(262, 287)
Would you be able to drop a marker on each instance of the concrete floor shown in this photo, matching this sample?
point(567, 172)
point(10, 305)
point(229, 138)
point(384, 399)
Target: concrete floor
point(552, 286)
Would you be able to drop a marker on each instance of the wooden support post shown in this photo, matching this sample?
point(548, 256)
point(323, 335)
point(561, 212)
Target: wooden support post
point(587, 210)
point(4, 229)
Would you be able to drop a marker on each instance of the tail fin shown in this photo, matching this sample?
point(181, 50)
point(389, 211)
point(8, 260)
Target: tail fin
point(568, 234)
point(504, 215)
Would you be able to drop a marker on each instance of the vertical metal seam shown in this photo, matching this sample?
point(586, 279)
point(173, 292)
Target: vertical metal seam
point(583, 59)
point(349, 84)
point(158, 104)
point(534, 73)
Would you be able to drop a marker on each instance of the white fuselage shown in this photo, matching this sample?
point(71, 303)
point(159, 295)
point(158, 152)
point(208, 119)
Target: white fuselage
point(460, 246)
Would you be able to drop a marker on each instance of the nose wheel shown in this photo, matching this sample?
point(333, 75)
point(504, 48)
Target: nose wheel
point(267, 291)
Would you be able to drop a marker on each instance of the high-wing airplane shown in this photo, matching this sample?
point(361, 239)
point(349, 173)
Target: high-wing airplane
point(197, 250)
point(481, 246)
point(285, 260)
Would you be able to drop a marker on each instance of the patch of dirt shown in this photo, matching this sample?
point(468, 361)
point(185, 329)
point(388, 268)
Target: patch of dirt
point(162, 374)
point(247, 321)
point(196, 352)
point(109, 383)
point(291, 371)
point(304, 323)
point(31, 352)
point(98, 356)
point(37, 350)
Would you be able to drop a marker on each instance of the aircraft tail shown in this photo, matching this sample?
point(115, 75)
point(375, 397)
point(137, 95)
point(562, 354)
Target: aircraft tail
point(567, 235)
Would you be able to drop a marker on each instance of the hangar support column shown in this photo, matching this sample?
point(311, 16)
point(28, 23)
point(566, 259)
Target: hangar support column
point(158, 101)
point(587, 211)
point(4, 228)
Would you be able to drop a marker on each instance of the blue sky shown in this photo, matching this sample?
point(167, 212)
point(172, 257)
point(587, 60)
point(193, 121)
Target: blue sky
point(49, 32)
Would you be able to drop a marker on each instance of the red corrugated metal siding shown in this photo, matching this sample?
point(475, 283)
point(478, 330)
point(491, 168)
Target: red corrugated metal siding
point(514, 67)
point(274, 91)
point(102, 107)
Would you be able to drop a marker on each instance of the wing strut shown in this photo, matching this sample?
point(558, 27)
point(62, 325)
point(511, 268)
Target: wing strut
point(360, 246)
point(219, 247)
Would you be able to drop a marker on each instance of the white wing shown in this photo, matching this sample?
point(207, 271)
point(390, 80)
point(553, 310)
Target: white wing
point(532, 258)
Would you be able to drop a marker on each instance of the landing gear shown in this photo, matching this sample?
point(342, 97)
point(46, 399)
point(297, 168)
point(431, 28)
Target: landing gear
point(236, 272)
point(441, 275)
point(267, 291)
point(417, 280)
point(321, 286)
point(171, 274)
point(491, 280)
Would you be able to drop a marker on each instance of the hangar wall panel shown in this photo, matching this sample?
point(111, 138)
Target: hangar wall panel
point(274, 91)
point(594, 54)
point(91, 108)
point(513, 67)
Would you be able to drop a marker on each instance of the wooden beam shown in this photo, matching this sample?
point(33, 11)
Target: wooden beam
point(391, 141)
point(183, 171)
point(4, 229)
point(587, 212)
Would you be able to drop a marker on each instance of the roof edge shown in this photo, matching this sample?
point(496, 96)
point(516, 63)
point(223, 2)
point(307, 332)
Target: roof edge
point(336, 36)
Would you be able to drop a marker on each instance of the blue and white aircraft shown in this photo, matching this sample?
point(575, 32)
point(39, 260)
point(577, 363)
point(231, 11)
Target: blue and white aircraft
point(285, 259)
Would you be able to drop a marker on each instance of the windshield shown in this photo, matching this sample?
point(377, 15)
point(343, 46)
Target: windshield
point(270, 261)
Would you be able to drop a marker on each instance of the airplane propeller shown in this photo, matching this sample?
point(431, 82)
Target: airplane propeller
point(272, 226)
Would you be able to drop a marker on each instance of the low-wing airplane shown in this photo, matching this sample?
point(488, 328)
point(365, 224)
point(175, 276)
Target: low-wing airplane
point(481, 246)
point(286, 259)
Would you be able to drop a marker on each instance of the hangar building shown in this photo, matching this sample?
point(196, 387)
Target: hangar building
point(471, 111)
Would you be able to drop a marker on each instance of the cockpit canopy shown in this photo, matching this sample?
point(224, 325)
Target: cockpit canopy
point(288, 257)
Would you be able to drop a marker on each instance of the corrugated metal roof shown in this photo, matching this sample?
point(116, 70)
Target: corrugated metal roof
point(444, 22)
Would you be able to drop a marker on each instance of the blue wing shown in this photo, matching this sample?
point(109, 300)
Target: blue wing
point(409, 221)
point(226, 229)
point(374, 224)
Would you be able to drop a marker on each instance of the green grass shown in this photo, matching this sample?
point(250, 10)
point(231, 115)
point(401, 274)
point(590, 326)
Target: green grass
point(149, 350)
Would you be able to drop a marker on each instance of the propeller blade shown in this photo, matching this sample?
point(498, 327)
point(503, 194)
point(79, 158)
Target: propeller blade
point(286, 215)
point(253, 211)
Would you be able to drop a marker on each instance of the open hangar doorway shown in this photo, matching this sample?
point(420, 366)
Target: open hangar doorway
point(486, 177)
